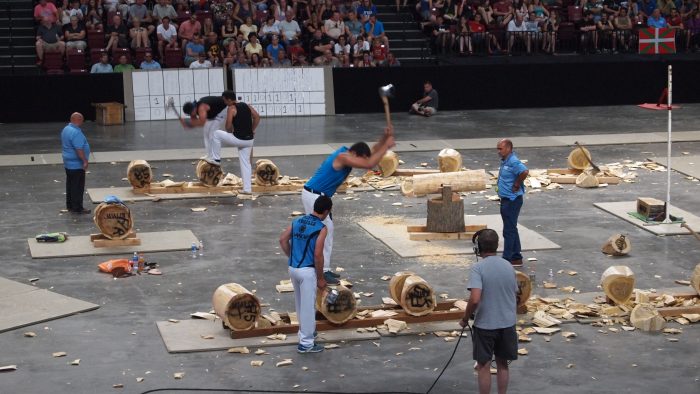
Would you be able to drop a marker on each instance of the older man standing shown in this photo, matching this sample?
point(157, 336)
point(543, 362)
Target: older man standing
point(511, 189)
point(76, 152)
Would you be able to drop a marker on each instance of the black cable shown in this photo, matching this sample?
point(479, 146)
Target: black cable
point(449, 361)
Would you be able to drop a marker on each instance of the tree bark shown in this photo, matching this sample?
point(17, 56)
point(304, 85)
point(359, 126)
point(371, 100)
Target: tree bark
point(461, 181)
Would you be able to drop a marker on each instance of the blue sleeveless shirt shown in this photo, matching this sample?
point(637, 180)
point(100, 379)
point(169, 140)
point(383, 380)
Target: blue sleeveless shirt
point(305, 232)
point(327, 179)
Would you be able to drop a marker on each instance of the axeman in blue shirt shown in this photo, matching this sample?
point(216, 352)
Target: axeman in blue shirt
point(76, 152)
point(331, 174)
point(511, 189)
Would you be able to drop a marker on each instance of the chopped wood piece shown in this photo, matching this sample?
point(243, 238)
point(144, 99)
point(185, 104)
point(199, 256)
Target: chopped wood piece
point(569, 366)
point(524, 338)
point(382, 313)
point(618, 283)
point(8, 368)
point(550, 285)
point(285, 362)
point(59, 354)
point(277, 337)
point(173, 320)
point(30, 334)
point(284, 288)
point(461, 305)
point(75, 362)
point(395, 326)
point(522, 351)
point(646, 318)
point(331, 346)
point(617, 245)
point(542, 319)
point(672, 331)
point(695, 279)
point(586, 180)
point(692, 317)
point(239, 350)
point(139, 380)
point(568, 334)
point(449, 160)
point(118, 386)
point(203, 315)
point(266, 173)
point(342, 309)
point(387, 277)
point(179, 375)
point(198, 209)
point(206, 336)
point(546, 330)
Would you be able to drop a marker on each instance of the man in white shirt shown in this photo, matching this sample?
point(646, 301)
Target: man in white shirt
point(517, 30)
point(334, 27)
point(201, 62)
point(289, 27)
point(167, 36)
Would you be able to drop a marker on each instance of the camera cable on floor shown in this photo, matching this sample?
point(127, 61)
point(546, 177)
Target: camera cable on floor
point(449, 361)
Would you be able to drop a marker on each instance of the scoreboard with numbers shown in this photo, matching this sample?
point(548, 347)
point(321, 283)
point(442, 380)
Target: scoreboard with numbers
point(153, 88)
point(282, 91)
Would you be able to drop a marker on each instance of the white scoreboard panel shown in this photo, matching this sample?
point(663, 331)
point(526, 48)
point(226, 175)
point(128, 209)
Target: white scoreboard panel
point(296, 91)
point(153, 88)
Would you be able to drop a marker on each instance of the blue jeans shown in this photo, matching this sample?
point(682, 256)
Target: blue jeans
point(511, 240)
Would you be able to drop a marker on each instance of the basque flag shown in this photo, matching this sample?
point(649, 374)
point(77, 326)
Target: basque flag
point(653, 41)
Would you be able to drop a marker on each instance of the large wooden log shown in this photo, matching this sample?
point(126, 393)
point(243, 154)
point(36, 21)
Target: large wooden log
point(646, 318)
point(238, 308)
point(446, 213)
point(618, 283)
point(461, 181)
point(695, 279)
point(449, 160)
point(139, 174)
point(524, 288)
point(343, 309)
point(113, 220)
point(266, 173)
point(617, 245)
point(388, 163)
point(209, 174)
point(412, 293)
point(577, 159)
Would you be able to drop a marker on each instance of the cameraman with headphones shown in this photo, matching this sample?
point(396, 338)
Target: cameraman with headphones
point(493, 301)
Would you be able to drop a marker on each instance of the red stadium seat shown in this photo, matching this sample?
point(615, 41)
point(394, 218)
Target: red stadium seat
point(118, 52)
point(574, 13)
point(52, 61)
point(140, 54)
point(96, 38)
point(95, 54)
point(78, 72)
point(202, 15)
point(260, 16)
point(174, 58)
point(75, 59)
point(183, 16)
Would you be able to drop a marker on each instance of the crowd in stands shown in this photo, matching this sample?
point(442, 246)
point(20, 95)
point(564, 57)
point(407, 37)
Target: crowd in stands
point(119, 35)
point(588, 26)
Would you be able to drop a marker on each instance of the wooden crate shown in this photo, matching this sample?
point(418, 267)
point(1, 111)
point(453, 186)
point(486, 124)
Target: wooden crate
point(109, 113)
point(650, 207)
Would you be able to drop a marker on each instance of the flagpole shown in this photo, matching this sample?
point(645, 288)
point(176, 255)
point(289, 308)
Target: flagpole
point(668, 153)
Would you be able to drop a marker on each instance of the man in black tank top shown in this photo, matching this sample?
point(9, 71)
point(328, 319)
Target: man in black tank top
point(209, 113)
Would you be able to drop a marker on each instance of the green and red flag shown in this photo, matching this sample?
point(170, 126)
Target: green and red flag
point(653, 41)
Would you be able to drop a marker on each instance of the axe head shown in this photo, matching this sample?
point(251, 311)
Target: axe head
point(386, 91)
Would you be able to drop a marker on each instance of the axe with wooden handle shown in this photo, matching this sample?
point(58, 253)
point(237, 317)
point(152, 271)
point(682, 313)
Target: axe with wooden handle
point(386, 92)
point(596, 169)
point(691, 230)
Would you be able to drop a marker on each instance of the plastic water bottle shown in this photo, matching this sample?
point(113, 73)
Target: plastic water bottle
point(201, 247)
point(194, 250)
point(135, 263)
point(551, 276)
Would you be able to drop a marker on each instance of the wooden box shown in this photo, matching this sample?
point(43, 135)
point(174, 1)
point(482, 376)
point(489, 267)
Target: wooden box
point(650, 207)
point(109, 113)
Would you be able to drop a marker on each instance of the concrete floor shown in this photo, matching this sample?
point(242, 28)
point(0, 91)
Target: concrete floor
point(120, 342)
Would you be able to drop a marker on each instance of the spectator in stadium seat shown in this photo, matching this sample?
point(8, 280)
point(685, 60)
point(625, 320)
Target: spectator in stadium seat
point(503, 12)
point(148, 63)
point(123, 65)
point(282, 60)
point(353, 27)
point(242, 9)
point(208, 26)
point(666, 6)
point(221, 10)
point(102, 66)
point(358, 48)
point(517, 30)
point(605, 34)
point(193, 48)
point(589, 36)
point(318, 45)
point(656, 20)
point(116, 34)
point(391, 61)
point(367, 9)
point(428, 104)
point(272, 50)
point(255, 61)
point(675, 20)
point(486, 11)
point(187, 30)
point(289, 27)
point(375, 29)
point(295, 50)
point(693, 31)
point(366, 60)
point(139, 35)
point(269, 30)
point(532, 26)
point(334, 27)
point(140, 11)
point(49, 38)
point(442, 37)
point(248, 27)
point(327, 59)
point(74, 34)
point(93, 15)
point(550, 29)
point(623, 26)
point(71, 11)
point(44, 9)
point(167, 36)
point(253, 46)
point(213, 49)
point(647, 7)
point(240, 62)
point(116, 6)
point(229, 31)
point(341, 48)
point(201, 62)
point(163, 10)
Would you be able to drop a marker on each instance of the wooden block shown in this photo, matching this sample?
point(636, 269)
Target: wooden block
point(564, 171)
point(414, 171)
point(445, 213)
point(650, 207)
point(678, 310)
point(424, 229)
point(109, 113)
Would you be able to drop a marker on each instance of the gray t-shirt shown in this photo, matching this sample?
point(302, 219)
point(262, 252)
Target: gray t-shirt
point(434, 99)
point(496, 279)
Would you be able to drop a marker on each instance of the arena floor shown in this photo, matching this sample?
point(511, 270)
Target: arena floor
point(119, 341)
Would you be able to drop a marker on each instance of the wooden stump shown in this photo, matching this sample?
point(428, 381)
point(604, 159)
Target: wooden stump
point(587, 181)
point(449, 160)
point(577, 159)
point(389, 163)
point(524, 290)
point(238, 308)
point(139, 174)
point(446, 213)
point(343, 309)
point(695, 279)
point(461, 181)
point(646, 318)
point(266, 173)
point(209, 174)
point(113, 220)
point(617, 245)
point(618, 283)
point(413, 294)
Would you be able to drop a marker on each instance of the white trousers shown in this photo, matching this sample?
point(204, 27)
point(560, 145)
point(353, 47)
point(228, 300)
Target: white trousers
point(304, 282)
point(308, 199)
point(210, 126)
point(245, 147)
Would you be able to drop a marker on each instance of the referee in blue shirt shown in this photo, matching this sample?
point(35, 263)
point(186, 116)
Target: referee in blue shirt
point(76, 152)
point(511, 189)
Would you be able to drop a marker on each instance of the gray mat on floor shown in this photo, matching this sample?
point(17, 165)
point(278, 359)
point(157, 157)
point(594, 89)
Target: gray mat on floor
point(186, 337)
point(160, 241)
point(688, 165)
point(24, 305)
point(621, 209)
point(392, 232)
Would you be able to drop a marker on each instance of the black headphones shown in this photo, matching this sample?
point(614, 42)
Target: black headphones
point(477, 244)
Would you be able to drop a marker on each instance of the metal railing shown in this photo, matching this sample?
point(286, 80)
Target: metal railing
point(10, 38)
